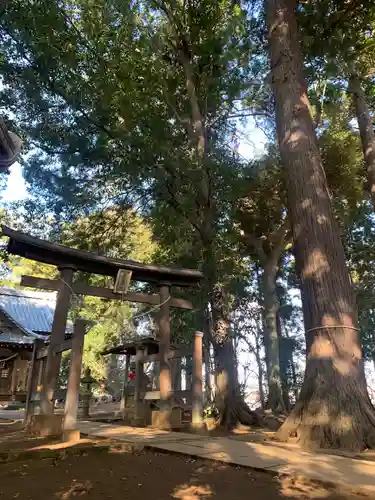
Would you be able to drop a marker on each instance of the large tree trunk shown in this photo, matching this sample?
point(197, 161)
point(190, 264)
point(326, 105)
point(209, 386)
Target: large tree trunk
point(230, 401)
point(366, 130)
point(333, 409)
point(207, 354)
point(275, 400)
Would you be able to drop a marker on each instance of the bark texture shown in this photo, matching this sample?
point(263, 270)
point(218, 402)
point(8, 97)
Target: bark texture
point(230, 401)
point(333, 409)
point(258, 357)
point(207, 372)
point(275, 400)
point(285, 356)
point(207, 336)
point(268, 251)
point(366, 130)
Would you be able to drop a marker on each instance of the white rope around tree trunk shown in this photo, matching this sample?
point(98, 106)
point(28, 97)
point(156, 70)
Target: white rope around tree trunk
point(331, 326)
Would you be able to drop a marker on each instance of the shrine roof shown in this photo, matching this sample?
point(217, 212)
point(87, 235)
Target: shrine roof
point(28, 315)
point(32, 311)
point(131, 348)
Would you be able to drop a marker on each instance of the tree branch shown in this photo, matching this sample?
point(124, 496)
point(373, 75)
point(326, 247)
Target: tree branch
point(279, 241)
point(256, 244)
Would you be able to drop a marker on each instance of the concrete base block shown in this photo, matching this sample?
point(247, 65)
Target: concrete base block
point(138, 422)
point(70, 435)
point(167, 419)
point(45, 425)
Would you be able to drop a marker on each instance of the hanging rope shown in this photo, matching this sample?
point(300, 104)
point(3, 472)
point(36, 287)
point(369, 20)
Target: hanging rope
point(350, 327)
point(136, 316)
point(70, 288)
point(146, 313)
point(3, 361)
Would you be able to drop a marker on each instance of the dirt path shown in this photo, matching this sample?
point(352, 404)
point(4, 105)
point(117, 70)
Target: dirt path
point(109, 472)
point(119, 476)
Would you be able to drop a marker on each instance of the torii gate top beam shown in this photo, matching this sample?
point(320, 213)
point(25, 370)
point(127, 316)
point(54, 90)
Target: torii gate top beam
point(62, 256)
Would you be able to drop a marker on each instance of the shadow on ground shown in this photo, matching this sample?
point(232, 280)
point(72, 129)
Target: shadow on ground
point(102, 469)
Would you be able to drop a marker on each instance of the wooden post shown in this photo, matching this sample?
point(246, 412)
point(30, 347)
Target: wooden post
point(57, 336)
point(197, 409)
point(13, 380)
point(164, 346)
point(41, 372)
point(72, 393)
point(124, 395)
point(138, 403)
point(22, 379)
point(33, 380)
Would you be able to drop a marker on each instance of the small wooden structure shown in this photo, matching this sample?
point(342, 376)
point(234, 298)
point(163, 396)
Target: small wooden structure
point(147, 350)
point(67, 424)
point(24, 317)
point(69, 261)
point(15, 356)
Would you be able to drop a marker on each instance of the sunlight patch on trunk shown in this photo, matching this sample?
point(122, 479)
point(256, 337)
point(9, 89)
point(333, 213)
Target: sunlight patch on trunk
point(317, 265)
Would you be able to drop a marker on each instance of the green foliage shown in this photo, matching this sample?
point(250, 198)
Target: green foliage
point(343, 159)
point(115, 232)
point(360, 249)
point(261, 209)
point(121, 128)
point(210, 411)
point(104, 94)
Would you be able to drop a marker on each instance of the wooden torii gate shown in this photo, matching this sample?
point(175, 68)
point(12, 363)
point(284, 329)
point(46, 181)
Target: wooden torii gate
point(68, 261)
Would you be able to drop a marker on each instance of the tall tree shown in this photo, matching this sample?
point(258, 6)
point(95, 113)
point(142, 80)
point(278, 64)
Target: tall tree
point(345, 61)
point(333, 409)
point(265, 227)
point(366, 130)
point(360, 248)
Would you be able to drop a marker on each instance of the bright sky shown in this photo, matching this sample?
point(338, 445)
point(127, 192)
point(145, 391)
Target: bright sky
point(16, 186)
point(252, 141)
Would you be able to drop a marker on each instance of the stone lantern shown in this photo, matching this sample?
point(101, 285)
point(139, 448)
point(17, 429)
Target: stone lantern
point(87, 382)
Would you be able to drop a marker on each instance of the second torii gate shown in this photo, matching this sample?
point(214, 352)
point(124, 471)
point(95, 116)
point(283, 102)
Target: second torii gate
point(68, 261)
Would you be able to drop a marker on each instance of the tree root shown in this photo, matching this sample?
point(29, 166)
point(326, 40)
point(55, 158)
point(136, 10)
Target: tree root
point(332, 416)
point(244, 415)
point(235, 411)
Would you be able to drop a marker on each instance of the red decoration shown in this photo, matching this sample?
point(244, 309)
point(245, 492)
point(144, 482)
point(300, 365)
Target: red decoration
point(131, 376)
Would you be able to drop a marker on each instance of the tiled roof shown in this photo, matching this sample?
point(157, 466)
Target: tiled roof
point(32, 311)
